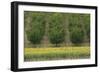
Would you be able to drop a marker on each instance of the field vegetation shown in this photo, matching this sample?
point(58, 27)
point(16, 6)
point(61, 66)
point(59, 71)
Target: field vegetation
point(41, 54)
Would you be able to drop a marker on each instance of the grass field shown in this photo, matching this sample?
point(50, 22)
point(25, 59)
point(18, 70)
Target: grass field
point(56, 53)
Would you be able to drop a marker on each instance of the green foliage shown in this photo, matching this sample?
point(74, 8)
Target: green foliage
point(77, 25)
point(56, 29)
point(87, 25)
point(76, 36)
point(36, 31)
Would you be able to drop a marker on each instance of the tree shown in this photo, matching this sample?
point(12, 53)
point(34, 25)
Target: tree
point(56, 29)
point(76, 29)
point(76, 36)
point(36, 31)
point(86, 22)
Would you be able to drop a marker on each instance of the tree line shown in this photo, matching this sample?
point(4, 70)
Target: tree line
point(57, 27)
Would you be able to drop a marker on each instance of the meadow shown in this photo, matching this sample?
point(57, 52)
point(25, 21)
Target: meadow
point(56, 53)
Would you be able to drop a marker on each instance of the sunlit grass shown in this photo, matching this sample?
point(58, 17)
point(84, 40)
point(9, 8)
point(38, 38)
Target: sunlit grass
point(56, 53)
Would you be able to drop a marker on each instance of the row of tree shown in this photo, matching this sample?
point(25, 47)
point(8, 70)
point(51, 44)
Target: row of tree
point(57, 27)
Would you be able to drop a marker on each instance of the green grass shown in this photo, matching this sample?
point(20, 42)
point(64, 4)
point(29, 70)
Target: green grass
point(56, 53)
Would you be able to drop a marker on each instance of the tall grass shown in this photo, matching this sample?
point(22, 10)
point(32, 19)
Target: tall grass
point(57, 53)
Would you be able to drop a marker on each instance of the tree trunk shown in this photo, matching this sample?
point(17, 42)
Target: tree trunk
point(66, 24)
point(45, 40)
